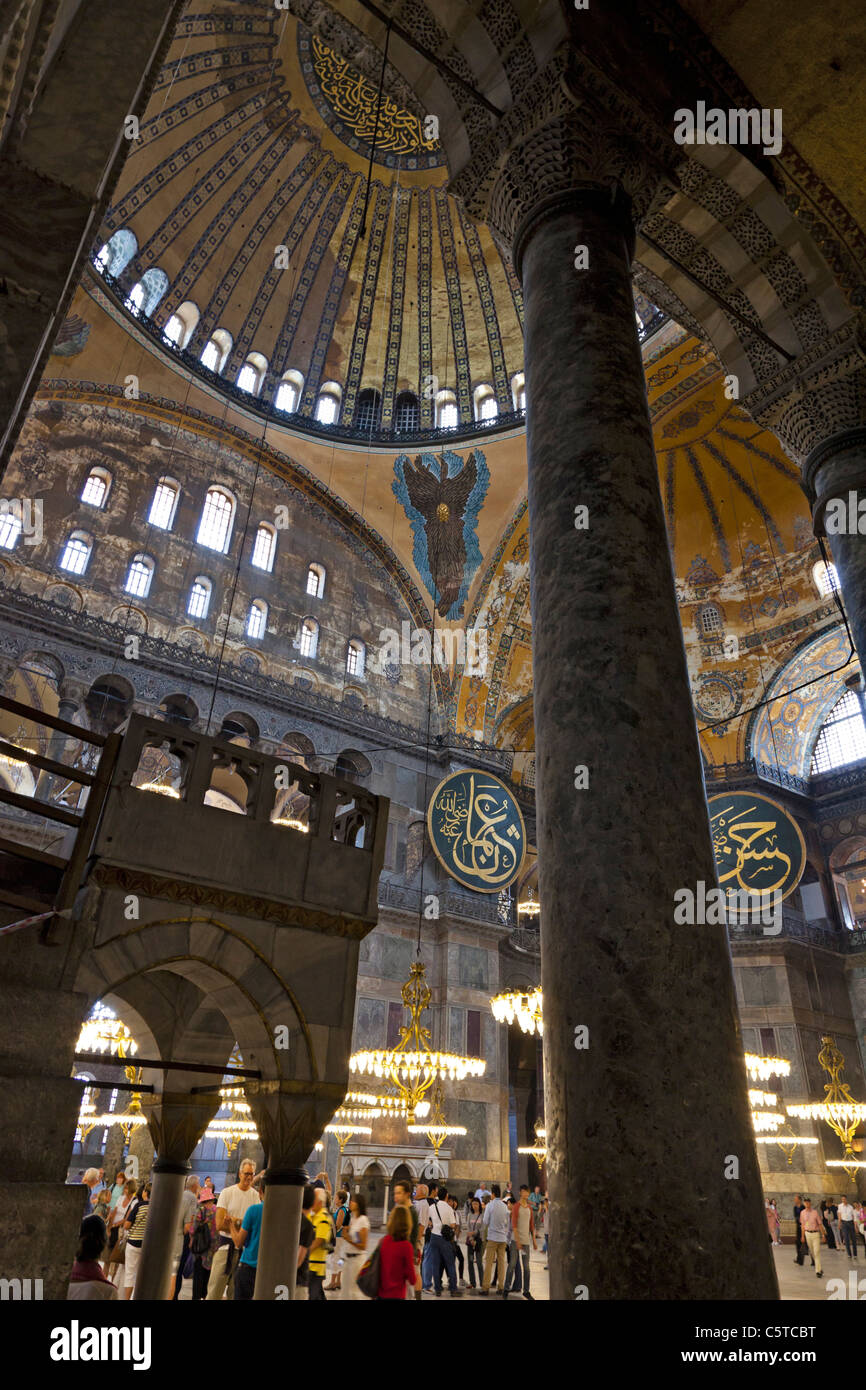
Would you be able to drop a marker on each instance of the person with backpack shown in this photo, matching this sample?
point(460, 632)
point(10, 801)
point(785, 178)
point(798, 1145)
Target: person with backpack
point(341, 1222)
point(204, 1242)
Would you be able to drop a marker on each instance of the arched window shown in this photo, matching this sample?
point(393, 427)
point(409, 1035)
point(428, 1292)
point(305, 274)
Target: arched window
point(406, 415)
point(264, 547)
point(315, 581)
point(446, 411)
point(485, 403)
point(199, 597)
point(76, 553)
point(842, 739)
point(289, 392)
point(182, 323)
point(826, 579)
point(518, 390)
point(710, 620)
point(164, 504)
point(355, 658)
point(139, 576)
point(328, 403)
point(96, 486)
point(252, 373)
point(217, 350)
point(10, 528)
point(309, 637)
point(257, 618)
point(368, 411)
point(214, 529)
point(117, 252)
point(151, 288)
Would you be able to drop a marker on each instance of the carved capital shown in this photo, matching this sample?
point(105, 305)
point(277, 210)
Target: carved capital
point(289, 1123)
point(178, 1121)
point(570, 134)
point(820, 396)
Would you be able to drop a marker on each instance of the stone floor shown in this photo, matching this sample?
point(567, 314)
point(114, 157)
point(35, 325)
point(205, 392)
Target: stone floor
point(799, 1282)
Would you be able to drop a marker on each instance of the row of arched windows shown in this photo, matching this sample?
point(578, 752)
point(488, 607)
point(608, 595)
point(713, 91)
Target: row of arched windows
point(147, 293)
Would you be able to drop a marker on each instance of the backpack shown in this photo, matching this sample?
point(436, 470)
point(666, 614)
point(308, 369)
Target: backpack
point(368, 1279)
point(199, 1243)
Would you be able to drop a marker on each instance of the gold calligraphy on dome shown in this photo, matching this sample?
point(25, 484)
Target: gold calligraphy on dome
point(751, 841)
point(353, 99)
point(477, 830)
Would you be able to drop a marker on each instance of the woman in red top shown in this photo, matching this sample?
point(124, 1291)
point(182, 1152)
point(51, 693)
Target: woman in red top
point(397, 1266)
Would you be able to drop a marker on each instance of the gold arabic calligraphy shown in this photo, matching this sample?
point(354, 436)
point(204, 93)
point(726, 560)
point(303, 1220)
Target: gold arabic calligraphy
point(469, 819)
point(354, 99)
point(748, 851)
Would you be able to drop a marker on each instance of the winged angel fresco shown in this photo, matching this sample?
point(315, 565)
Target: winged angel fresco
point(442, 496)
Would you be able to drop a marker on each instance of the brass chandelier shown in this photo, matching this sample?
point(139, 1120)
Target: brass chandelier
point(839, 1109)
point(412, 1066)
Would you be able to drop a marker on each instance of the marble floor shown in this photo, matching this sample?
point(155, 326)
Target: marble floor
point(800, 1282)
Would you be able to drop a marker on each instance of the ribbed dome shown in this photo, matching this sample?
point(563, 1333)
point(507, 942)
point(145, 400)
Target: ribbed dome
point(257, 136)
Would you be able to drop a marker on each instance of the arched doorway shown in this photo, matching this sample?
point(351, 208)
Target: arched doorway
point(402, 1173)
point(372, 1185)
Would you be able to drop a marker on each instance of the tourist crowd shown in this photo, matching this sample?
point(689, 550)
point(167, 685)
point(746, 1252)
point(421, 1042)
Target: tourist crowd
point(482, 1245)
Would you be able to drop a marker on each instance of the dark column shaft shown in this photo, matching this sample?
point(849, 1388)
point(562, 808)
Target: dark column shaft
point(642, 1124)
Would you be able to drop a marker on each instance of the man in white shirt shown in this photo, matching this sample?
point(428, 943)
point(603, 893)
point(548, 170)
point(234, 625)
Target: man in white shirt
point(496, 1223)
point(442, 1238)
point(849, 1231)
point(231, 1208)
point(481, 1191)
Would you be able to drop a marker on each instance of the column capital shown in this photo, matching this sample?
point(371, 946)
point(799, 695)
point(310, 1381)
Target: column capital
point(290, 1121)
point(555, 147)
point(177, 1122)
point(816, 400)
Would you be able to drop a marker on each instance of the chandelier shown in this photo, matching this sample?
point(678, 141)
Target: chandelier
point(762, 1068)
point(103, 1031)
point(766, 1120)
point(529, 906)
point(437, 1130)
point(522, 1005)
point(292, 823)
point(412, 1067)
point(539, 1148)
point(839, 1109)
point(346, 1131)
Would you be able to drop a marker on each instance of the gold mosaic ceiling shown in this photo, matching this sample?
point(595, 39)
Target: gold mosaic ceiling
point(258, 135)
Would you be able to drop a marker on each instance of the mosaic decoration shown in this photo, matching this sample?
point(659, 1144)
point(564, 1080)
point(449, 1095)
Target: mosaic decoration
point(72, 337)
point(719, 697)
point(784, 731)
point(477, 831)
point(455, 301)
point(399, 256)
point(377, 226)
point(425, 314)
point(348, 102)
point(758, 846)
point(337, 281)
point(501, 383)
point(442, 496)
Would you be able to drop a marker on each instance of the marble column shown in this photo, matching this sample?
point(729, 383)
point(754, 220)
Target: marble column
point(281, 1228)
point(836, 469)
point(152, 1281)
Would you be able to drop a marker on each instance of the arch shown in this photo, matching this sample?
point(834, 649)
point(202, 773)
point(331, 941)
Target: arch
point(825, 577)
point(257, 619)
point(352, 765)
point(252, 373)
point(180, 709)
point(182, 324)
point(139, 576)
point(299, 748)
point(407, 414)
point(163, 505)
point(798, 697)
point(328, 403)
point(217, 519)
point(97, 486)
point(239, 727)
point(368, 410)
point(289, 391)
point(108, 702)
point(200, 592)
point(447, 414)
point(146, 294)
point(841, 738)
point(315, 580)
point(518, 390)
point(484, 402)
point(355, 657)
point(264, 546)
point(75, 555)
point(216, 350)
point(114, 256)
point(109, 968)
point(308, 638)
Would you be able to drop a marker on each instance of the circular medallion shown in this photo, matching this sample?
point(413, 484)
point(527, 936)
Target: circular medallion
point(758, 846)
point(476, 830)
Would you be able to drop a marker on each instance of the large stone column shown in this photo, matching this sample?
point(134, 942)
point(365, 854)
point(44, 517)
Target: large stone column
point(645, 1084)
point(281, 1228)
point(817, 408)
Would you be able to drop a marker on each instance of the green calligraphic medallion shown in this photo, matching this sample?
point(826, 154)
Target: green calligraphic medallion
point(477, 830)
point(757, 844)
